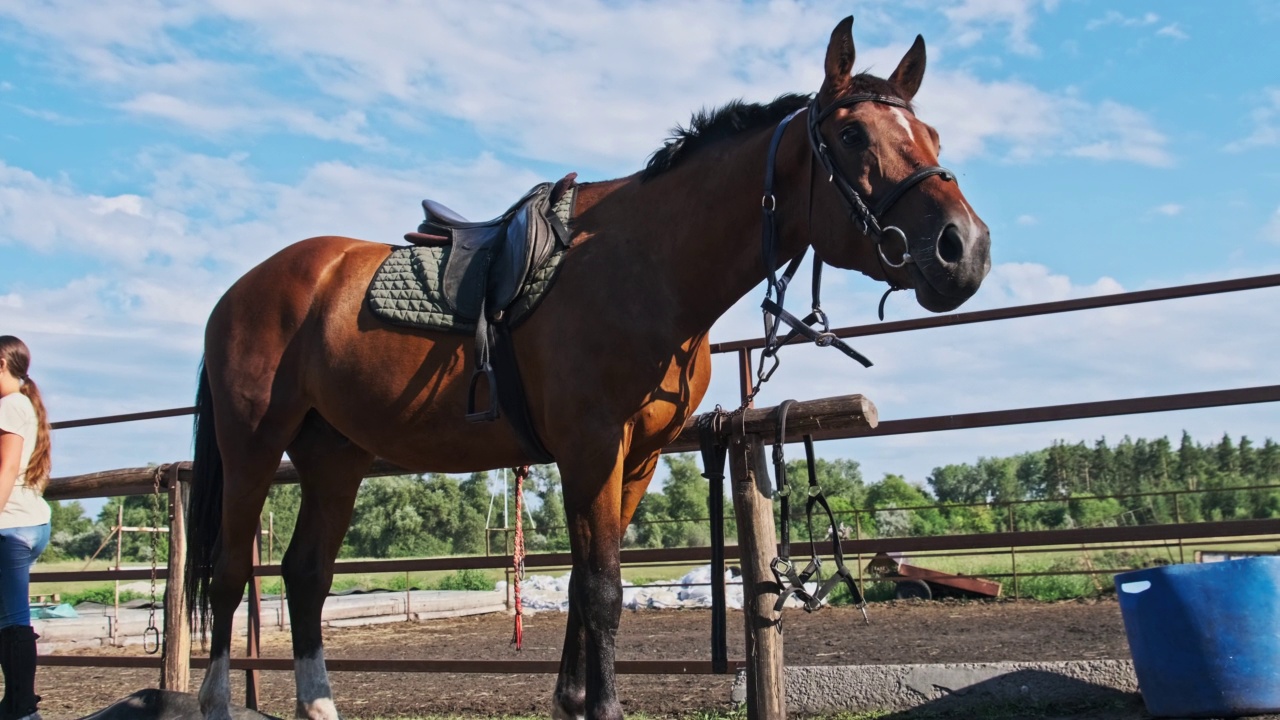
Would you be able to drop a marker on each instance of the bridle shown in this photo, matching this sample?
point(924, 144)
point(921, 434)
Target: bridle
point(790, 578)
point(869, 216)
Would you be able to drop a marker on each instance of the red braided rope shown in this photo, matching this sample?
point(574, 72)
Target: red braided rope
point(517, 558)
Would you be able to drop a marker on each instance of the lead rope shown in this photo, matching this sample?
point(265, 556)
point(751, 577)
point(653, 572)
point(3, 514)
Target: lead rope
point(517, 556)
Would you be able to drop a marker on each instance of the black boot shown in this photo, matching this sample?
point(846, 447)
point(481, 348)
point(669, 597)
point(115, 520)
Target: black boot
point(18, 660)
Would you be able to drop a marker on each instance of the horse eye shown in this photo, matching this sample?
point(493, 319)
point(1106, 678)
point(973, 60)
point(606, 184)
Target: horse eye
point(853, 136)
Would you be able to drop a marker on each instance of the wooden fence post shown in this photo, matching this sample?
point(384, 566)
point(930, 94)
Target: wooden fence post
point(758, 544)
point(176, 673)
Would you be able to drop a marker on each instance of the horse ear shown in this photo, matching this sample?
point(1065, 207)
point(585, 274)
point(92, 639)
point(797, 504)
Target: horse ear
point(910, 71)
point(840, 55)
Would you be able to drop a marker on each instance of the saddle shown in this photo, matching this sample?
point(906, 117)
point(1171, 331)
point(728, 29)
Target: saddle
point(486, 267)
point(489, 261)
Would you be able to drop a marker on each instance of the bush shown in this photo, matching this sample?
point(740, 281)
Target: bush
point(465, 580)
point(103, 595)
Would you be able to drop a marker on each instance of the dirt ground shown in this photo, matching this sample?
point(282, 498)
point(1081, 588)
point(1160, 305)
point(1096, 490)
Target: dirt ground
point(900, 632)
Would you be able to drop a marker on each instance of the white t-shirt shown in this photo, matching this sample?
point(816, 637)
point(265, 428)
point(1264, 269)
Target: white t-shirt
point(25, 507)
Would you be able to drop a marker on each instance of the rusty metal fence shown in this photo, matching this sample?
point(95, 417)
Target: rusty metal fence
point(140, 481)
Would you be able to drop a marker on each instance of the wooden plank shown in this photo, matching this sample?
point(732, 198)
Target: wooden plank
point(177, 633)
point(976, 585)
point(757, 545)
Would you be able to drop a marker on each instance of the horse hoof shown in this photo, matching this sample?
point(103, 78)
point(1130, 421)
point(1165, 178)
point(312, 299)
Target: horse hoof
point(321, 709)
point(559, 713)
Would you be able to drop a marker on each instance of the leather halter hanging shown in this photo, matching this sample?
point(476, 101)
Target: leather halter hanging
point(792, 581)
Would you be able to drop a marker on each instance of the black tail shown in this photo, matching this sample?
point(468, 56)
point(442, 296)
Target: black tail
point(204, 512)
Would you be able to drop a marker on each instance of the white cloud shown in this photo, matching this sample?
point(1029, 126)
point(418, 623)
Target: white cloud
point(971, 19)
point(1027, 220)
point(1023, 123)
point(51, 216)
point(1113, 17)
point(1173, 31)
point(1266, 123)
point(48, 116)
point(1169, 209)
point(1132, 138)
point(219, 119)
point(636, 71)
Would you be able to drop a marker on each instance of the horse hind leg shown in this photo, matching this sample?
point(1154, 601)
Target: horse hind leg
point(330, 468)
point(248, 475)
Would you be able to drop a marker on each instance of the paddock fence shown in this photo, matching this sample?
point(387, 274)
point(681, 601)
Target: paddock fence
point(171, 479)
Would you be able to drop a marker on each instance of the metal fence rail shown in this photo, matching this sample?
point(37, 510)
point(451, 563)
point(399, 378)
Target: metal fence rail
point(141, 481)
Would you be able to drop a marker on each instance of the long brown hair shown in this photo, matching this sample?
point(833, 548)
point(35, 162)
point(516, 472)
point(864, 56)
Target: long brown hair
point(17, 359)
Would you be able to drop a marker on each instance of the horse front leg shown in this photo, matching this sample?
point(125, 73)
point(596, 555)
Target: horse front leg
point(570, 700)
point(593, 499)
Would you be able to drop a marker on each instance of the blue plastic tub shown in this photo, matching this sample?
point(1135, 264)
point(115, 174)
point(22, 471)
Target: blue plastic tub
point(1205, 638)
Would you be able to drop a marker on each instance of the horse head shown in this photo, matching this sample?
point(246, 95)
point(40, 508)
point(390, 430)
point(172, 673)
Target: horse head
point(899, 216)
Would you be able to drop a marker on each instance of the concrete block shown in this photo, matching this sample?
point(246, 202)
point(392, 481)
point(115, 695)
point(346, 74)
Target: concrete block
point(960, 688)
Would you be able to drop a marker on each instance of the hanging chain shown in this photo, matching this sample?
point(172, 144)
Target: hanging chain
point(151, 636)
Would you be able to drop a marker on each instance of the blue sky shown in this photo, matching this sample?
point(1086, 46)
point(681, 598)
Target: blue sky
point(152, 151)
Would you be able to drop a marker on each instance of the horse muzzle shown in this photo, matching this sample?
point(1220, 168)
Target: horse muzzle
point(950, 268)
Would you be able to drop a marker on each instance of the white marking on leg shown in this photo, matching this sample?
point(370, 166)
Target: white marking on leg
point(315, 696)
point(215, 691)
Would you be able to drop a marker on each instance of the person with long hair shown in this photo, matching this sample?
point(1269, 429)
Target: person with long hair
point(24, 523)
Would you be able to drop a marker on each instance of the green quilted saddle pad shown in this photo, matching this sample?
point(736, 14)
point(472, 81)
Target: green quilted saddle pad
point(406, 289)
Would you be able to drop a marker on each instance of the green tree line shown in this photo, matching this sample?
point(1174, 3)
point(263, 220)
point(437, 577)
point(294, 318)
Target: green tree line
point(1061, 486)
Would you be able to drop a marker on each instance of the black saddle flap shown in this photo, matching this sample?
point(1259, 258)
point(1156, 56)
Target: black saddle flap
point(489, 262)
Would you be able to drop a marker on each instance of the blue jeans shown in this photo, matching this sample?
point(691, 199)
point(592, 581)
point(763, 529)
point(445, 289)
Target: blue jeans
point(19, 548)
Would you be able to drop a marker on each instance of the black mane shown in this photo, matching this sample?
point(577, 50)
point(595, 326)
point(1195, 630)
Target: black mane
point(706, 127)
point(736, 116)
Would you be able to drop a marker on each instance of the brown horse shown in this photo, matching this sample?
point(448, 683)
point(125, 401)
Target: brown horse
point(614, 360)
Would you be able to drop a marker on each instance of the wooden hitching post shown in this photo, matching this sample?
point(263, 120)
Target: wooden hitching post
point(758, 544)
point(176, 673)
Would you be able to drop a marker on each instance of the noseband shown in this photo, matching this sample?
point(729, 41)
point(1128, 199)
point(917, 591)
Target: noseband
point(869, 217)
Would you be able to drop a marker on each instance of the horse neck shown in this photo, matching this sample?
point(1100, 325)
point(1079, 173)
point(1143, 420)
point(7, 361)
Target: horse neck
point(700, 224)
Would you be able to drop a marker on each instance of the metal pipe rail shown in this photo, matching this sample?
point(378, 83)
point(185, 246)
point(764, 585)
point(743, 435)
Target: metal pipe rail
point(140, 481)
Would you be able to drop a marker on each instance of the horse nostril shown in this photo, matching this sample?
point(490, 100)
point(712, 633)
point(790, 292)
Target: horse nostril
point(950, 245)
